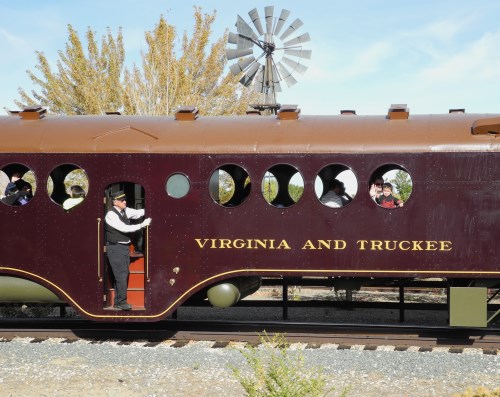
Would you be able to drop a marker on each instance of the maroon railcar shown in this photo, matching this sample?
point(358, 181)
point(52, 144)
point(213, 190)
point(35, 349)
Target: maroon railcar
point(182, 170)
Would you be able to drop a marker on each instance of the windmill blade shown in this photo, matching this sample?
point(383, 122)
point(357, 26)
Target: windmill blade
point(275, 83)
point(254, 16)
point(296, 66)
point(299, 53)
point(246, 33)
point(242, 64)
point(292, 28)
point(248, 77)
point(232, 38)
point(259, 81)
point(277, 87)
point(281, 21)
point(244, 43)
point(286, 75)
point(232, 53)
point(303, 38)
point(269, 11)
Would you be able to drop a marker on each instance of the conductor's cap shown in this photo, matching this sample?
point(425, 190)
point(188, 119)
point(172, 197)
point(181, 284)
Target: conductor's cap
point(119, 195)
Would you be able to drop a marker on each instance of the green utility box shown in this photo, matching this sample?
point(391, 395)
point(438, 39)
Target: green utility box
point(468, 306)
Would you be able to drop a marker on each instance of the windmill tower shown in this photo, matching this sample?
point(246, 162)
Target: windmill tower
point(266, 58)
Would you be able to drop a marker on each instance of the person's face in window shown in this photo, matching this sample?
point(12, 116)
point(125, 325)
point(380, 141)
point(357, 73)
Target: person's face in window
point(387, 192)
point(378, 185)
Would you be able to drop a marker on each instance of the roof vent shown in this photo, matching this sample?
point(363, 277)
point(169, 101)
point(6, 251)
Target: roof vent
point(457, 111)
point(186, 113)
point(113, 113)
point(35, 112)
point(398, 112)
point(486, 126)
point(289, 112)
point(348, 112)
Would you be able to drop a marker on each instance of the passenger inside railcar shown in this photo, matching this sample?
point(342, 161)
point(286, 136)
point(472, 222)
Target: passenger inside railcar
point(386, 199)
point(390, 186)
point(376, 187)
point(336, 185)
point(77, 195)
point(333, 198)
point(67, 186)
point(17, 184)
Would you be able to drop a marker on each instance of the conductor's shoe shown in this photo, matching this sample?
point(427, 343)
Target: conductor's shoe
point(123, 306)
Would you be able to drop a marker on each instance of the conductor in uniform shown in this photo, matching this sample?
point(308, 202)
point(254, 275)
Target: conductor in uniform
point(118, 232)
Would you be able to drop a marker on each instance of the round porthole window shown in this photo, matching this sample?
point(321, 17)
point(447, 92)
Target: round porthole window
point(17, 184)
point(230, 185)
point(390, 186)
point(336, 186)
point(282, 186)
point(177, 185)
point(67, 186)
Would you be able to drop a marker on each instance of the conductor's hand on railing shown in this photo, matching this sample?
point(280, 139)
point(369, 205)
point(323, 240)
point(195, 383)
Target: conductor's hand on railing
point(146, 222)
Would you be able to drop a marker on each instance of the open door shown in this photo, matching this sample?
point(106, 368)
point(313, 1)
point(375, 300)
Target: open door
point(137, 273)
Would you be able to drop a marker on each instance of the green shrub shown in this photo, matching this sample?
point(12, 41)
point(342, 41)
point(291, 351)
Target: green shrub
point(276, 371)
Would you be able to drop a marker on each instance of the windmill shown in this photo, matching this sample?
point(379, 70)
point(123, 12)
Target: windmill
point(266, 58)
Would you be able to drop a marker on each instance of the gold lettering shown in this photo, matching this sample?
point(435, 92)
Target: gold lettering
point(388, 247)
point(340, 245)
point(239, 243)
point(445, 245)
point(430, 245)
point(400, 245)
point(284, 245)
point(361, 244)
point(417, 246)
point(308, 245)
point(225, 243)
point(324, 243)
point(200, 244)
point(262, 243)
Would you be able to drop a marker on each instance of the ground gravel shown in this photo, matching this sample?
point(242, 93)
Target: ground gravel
point(55, 368)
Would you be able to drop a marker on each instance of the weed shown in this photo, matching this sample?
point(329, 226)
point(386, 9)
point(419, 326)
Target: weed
point(276, 371)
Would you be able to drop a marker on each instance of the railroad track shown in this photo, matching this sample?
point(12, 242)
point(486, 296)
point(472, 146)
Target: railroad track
point(180, 332)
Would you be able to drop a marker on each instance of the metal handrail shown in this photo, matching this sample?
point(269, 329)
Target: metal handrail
point(147, 254)
point(99, 277)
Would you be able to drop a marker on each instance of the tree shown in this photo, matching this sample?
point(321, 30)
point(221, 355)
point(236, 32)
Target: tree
point(97, 82)
point(84, 84)
point(402, 184)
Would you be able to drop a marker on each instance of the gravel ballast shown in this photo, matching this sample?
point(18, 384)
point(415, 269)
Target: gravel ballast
point(56, 368)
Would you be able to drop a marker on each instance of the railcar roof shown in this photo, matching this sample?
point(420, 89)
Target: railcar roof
point(245, 134)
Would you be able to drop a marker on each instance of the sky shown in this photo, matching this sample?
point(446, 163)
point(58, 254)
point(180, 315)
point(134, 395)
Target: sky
point(432, 55)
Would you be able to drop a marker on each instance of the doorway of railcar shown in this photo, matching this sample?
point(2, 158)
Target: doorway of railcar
point(125, 238)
